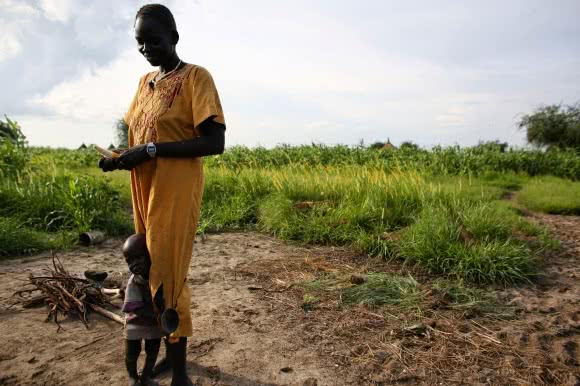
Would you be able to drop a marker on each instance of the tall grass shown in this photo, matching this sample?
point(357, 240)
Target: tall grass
point(450, 226)
point(453, 160)
point(435, 208)
point(42, 210)
point(50, 202)
point(551, 195)
point(16, 238)
point(471, 241)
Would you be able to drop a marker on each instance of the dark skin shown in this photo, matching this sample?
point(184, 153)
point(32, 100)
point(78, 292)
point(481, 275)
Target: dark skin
point(137, 258)
point(137, 255)
point(157, 44)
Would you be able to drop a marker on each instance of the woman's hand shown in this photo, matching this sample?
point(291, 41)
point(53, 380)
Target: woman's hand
point(133, 157)
point(108, 164)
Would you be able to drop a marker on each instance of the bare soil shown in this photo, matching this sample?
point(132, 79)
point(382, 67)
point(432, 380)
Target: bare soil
point(252, 325)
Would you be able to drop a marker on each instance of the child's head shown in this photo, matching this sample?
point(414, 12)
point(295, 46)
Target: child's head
point(137, 255)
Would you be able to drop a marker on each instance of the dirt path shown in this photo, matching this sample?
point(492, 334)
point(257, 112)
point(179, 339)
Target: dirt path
point(251, 326)
point(236, 341)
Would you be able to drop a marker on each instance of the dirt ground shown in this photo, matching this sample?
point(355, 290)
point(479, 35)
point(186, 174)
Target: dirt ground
point(252, 326)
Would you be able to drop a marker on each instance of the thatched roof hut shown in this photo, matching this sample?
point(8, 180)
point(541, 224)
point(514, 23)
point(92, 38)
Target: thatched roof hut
point(388, 145)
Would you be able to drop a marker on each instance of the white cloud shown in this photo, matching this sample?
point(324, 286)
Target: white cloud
point(9, 44)
point(20, 8)
point(99, 92)
point(57, 10)
point(454, 116)
point(14, 19)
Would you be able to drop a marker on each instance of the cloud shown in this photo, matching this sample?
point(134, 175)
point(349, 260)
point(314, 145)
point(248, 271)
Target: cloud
point(328, 71)
point(454, 116)
point(50, 42)
point(11, 26)
point(57, 10)
point(9, 45)
point(99, 92)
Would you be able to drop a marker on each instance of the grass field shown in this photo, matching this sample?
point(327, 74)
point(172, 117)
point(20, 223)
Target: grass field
point(441, 209)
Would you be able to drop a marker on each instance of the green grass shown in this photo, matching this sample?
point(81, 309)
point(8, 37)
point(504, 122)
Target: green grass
point(120, 180)
point(49, 202)
point(466, 298)
point(46, 210)
point(487, 158)
point(384, 289)
point(449, 225)
point(551, 195)
point(471, 241)
point(438, 209)
point(16, 239)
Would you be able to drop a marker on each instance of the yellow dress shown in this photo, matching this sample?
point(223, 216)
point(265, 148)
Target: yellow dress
point(167, 192)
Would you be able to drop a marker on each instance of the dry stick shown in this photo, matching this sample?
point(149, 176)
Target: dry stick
point(488, 337)
point(77, 301)
point(107, 313)
point(59, 275)
point(35, 301)
point(281, 301)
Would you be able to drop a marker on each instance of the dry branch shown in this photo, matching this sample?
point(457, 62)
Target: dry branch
point(107, 314)
point(66, 295)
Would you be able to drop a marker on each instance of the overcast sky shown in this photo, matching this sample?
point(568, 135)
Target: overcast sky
point(336, 71)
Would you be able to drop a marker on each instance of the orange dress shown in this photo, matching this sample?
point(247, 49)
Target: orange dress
point(167, 192)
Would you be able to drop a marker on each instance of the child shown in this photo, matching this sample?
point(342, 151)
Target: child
point(141, 319)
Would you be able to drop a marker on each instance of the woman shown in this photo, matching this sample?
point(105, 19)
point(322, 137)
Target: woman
point(175, 118)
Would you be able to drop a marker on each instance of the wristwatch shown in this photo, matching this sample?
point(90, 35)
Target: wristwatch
point(151, 149)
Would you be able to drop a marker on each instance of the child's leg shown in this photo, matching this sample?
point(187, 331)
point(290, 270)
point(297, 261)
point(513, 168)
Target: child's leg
point(132, 351)
point(151, 351)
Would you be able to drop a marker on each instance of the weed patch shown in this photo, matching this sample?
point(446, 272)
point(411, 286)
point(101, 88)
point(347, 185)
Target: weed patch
point(551, 195)
point(384, 289)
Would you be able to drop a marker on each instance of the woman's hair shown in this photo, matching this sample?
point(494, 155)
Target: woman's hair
point(160, 13)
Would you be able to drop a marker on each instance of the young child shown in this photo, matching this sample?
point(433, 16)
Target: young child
point(141, 317)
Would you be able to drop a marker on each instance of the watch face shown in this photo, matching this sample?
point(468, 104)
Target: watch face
point(151, 149)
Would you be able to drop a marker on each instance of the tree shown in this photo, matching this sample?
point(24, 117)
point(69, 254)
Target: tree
point(10, 131)
point(492, 146)
point(13, 148)
point(408, 145)
point(122, 133)
point(553, 126)
point(377, 145)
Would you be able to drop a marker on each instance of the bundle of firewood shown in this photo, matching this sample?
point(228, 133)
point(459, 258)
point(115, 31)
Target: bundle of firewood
point(66, 295)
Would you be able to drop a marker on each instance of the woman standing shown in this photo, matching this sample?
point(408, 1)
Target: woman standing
point(174, 119)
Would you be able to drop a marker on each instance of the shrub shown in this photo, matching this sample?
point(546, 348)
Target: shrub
point(13, 148)
point(16, 239)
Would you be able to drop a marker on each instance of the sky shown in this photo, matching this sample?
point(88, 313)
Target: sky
point(325, 71)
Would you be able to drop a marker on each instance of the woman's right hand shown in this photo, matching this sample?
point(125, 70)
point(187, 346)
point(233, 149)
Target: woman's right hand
point(108, 164)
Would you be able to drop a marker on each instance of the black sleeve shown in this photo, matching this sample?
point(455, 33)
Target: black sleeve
point(211, 141)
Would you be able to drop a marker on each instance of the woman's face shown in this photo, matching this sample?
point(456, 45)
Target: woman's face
point(154, 40)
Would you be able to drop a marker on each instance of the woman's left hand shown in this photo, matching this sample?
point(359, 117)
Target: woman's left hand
point(133, 157)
